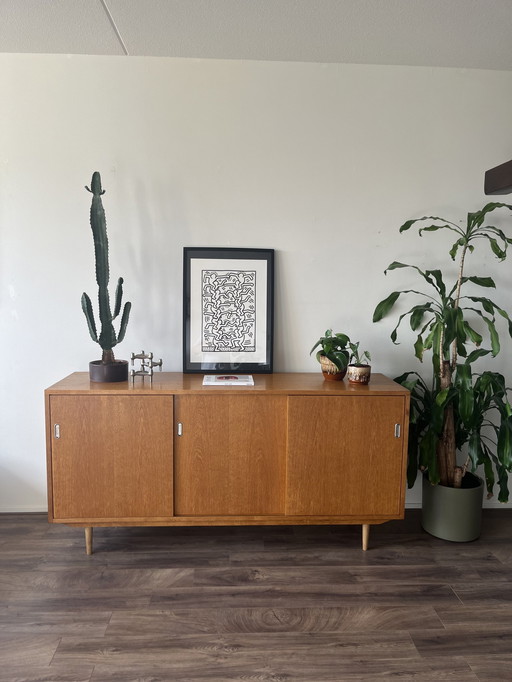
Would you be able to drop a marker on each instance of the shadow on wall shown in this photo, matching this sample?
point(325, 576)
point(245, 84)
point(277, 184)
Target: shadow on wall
point(13, 488)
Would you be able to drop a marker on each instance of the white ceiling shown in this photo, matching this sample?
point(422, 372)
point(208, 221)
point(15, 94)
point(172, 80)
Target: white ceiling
point(454, 33)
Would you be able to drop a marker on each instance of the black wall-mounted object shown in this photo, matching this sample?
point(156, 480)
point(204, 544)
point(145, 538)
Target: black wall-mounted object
point(499, 180)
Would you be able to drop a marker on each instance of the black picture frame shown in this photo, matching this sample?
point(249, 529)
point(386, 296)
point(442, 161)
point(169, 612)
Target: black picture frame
point(228, 310)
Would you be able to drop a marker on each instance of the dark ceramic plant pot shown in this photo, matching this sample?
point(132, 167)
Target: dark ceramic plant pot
point(116, 371)
point(453, 513)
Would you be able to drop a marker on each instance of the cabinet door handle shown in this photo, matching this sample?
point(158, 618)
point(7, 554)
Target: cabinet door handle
point(56, 430)
point(180, 429)
point(397, 430)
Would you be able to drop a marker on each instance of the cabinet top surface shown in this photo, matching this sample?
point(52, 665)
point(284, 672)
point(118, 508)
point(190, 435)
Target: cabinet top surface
point(175, 383)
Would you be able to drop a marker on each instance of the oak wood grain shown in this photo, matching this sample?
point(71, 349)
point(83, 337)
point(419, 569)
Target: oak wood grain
point(230, 459)
point(358, 465)
point(241, 455)
point(113, 456)
point(175, 383)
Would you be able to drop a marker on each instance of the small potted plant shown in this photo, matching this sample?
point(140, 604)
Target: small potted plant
point(359, 369)
point(333, 355)
point(108, 368)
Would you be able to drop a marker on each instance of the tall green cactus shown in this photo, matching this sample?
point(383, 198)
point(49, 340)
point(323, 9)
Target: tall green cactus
point(107, 338)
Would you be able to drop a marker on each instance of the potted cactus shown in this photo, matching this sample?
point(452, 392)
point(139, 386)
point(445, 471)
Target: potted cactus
point(108, 368)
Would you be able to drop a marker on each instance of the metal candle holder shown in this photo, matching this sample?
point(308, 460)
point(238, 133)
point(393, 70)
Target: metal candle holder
point(147, 365)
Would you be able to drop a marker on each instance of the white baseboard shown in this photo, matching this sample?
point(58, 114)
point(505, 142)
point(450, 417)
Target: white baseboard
point(23, 510)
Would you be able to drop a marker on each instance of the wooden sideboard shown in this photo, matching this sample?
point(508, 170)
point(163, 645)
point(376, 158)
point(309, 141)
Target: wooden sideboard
point(292, 449)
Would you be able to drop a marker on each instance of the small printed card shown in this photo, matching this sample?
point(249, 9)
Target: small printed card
point(228, 380)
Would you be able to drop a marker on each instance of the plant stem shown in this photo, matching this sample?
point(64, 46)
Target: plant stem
point(457, 477)
point(446, 449)
point(443, 366)
point(107, 357)
point(456, 302)
point(449, 473)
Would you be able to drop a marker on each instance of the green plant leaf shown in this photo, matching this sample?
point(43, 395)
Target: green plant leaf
point(451, 318)
point(412, 460)
point(505, 443)
point(433, 335)
point(447, 224)
point(481, 281)
point(462, 333)
point(419, 348)
point(500, 253)
point(395, 265)
point(342, 339)
point(464, 385)
point(475, 451)
point(442, 397)
point(384, 307)
point(492, 206)
point(428, 457)
point(455, 248)
point(407, 225)
point(486, 303)
point(493, 333)
point(330, 342)
point(499, 234)
point(315, 346)
point(502, 478)
point(435, 278)
point(476, 354)
point(340, 359)
point(504, 314)
point(489, 476)
point(416, 382)
point(438, 410)
point(430, 228)
point(472, 333)
point(418, 313)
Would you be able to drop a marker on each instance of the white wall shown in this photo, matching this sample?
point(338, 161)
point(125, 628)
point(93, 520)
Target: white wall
point(311, 160)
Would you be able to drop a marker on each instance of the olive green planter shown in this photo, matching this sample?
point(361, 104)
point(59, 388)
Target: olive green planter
point(453, 513)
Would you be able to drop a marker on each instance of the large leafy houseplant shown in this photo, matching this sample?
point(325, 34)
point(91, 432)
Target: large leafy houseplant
point(459, 407)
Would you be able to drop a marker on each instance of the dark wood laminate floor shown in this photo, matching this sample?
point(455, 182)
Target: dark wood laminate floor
point(270, 604)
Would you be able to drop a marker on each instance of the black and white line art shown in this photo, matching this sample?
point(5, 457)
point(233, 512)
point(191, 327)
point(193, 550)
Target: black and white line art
point(228, 306)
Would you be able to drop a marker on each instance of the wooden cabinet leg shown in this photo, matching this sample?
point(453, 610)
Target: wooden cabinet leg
point(366, 535)
point(88, 540)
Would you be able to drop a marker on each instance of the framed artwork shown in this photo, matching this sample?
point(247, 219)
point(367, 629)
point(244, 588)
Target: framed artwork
point(228, 310)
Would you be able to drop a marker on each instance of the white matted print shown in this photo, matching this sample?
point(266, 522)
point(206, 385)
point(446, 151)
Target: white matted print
point(228, 309)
